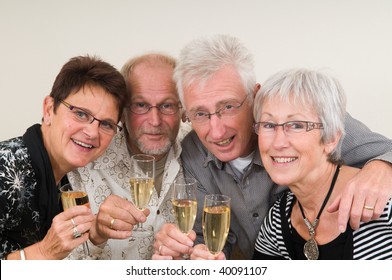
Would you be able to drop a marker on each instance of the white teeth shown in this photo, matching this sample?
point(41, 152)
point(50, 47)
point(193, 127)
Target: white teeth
point(224, 142)
point(83, 144)
point(283, 160)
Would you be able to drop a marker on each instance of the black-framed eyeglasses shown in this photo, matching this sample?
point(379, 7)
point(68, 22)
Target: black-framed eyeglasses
point(82, 116)
point(289, 128)
point(141, 108)
point(228, 109)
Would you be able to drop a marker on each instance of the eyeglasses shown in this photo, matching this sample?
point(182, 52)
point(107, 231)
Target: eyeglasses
point(227, 110)
point(141, 108)
point(289, 128)
point(82, 116)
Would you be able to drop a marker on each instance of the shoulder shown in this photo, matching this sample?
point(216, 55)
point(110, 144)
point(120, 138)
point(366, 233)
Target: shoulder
point(191, 142)
point(13, 152)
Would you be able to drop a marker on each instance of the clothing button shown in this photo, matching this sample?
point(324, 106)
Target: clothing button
point(158, 212)
point(255, 215)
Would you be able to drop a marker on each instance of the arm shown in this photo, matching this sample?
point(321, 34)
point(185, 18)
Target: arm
point(59, 241)
point(372, 186)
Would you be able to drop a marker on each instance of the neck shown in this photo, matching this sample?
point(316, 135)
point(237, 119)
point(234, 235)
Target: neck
point(325, 200)
point(58, 171)
point(311, 193)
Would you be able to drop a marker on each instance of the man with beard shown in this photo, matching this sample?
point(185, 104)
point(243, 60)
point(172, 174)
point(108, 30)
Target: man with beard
point(152, 125)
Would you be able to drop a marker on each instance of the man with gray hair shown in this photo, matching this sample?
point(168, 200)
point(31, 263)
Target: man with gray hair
point(216, 83)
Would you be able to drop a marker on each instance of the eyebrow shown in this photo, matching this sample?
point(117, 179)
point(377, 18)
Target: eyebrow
point(217, 105)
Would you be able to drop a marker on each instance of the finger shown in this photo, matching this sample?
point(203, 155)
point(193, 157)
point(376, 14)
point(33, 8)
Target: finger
point(334, 206)
point(156, 256)
point(121, 209)
point(368, 211)
point(379, 207)
point(345, 203)
point(78, 210)
point(114, 229)
point(179, 237)
point(167, 251)
point(201, 253)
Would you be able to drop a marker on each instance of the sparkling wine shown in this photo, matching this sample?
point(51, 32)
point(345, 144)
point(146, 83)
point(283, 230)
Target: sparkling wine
point(141, 189)
point(185, 212)
point(216, 224)
point(72, 198)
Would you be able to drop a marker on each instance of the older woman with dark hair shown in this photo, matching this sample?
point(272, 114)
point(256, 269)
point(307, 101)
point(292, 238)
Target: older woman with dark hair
point(80, 118)
point(300, 118)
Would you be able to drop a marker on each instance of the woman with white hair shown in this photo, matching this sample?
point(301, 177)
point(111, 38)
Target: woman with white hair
point(300, 125)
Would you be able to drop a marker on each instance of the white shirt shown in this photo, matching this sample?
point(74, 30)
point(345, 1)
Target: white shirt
point(110, 174)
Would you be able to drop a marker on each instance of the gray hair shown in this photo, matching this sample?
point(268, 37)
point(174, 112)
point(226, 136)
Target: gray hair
point(203, 57)
point(316, 89)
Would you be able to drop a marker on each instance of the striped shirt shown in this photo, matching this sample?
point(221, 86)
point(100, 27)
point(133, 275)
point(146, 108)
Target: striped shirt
point(373, 240)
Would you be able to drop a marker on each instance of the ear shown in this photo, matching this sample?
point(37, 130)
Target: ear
point(329, 147)
point(48, 107)
point(256, 89)
point(184, 117)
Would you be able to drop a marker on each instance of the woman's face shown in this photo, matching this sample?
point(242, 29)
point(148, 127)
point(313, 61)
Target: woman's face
point(71, 143)
point(291, 158)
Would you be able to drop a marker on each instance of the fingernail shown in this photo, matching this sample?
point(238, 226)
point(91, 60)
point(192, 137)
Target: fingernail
point(342, 229)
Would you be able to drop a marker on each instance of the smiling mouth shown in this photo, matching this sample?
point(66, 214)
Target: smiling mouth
point(84, 145)
point(225, 142)
point(284, 159)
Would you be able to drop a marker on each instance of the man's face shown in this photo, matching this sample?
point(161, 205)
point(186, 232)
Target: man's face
point(153, 132)
point(228, 136)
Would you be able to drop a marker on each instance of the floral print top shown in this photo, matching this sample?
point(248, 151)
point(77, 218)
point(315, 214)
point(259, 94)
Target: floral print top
point(19, 213)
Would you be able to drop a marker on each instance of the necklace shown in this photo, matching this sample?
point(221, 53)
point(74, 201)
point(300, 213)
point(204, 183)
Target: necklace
point(310, 248)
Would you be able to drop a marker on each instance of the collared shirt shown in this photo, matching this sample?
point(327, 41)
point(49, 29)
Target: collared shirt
point(253, 194)
point(110, 174)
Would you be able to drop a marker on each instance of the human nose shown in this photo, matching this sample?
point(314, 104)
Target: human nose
point(280, 138)
point(217, 127)
point(155, 118)
point(92, 128)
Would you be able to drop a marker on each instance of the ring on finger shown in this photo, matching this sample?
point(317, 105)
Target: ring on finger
point(368, 208)
point(111, 224)
point(76, 233)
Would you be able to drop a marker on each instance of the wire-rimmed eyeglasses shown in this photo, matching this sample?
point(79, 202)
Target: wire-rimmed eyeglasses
point(228, 109)
point(82, 116)
point(289, 128)
point(141, 108)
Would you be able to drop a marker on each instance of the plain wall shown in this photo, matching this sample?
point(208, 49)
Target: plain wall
point(353, 38)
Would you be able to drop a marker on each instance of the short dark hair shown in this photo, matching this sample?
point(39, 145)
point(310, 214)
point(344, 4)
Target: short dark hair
point(82, 71)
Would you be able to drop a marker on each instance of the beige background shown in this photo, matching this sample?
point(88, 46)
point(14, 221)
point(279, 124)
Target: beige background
point(351, 37)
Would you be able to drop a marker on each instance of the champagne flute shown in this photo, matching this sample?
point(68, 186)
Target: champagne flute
point(185, 204)
point(216, 221)
point(142, 186)
point(71, 197)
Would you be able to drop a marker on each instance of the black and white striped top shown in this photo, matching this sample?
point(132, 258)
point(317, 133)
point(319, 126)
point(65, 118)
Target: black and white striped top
point(373, 240)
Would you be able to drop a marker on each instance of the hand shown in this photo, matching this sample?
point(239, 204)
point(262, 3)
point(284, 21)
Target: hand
point(372, 186)
point(171, 243)
point(115, 219)
point(200, 252)
point(59, 240)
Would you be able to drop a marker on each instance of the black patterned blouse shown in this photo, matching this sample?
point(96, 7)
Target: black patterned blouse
point(20, 224)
